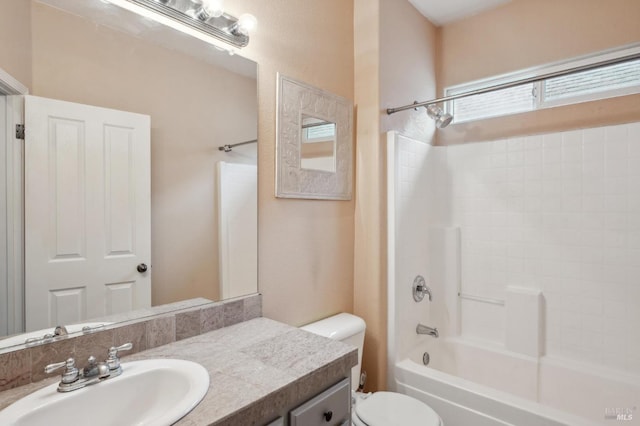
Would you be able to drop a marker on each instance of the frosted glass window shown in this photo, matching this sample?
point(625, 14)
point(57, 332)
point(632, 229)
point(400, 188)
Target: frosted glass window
point(325, 131)
point(494, 104)
point(599, 83)
point(612, 77)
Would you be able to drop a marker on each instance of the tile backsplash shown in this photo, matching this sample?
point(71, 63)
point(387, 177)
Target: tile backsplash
point(23, 366)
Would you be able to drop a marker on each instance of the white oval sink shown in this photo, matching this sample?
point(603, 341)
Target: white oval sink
point(149, 392)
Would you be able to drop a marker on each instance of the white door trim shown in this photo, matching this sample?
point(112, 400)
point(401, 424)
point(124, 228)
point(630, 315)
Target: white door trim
point(14, 287)
point(11, 86)
point(4, 300)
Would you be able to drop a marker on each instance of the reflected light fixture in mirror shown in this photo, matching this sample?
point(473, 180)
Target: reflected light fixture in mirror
point(317, 144)
point(204, 10)
point(204, 19)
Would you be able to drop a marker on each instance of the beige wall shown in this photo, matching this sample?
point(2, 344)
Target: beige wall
point(369, 258)
point(407, 68)
point(526, 33)
point(194, 108)
point(395, 64)
point(305, 257)
point(15, 39)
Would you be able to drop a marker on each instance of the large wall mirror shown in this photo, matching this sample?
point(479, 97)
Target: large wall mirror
point(203, 199)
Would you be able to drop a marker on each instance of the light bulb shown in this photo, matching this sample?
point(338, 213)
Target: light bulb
point(247, 23)
point(214, 8)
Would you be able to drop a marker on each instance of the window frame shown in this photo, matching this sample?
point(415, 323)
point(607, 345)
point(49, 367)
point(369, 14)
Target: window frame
point(538, 87)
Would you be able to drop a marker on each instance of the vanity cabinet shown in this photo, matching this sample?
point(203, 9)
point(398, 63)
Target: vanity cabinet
point(329, 408)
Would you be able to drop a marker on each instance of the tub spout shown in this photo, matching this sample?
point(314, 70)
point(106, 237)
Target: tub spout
point(423, 329)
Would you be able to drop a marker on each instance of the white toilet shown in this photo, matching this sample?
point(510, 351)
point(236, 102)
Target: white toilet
point(379, 408)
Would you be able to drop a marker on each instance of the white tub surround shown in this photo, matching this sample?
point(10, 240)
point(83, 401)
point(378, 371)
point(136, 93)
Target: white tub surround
point(531, 247)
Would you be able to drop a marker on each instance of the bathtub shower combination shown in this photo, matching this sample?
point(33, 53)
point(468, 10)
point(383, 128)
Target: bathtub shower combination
point(530, 248)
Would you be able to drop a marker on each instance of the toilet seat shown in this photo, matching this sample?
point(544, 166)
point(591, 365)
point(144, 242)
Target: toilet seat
point(391, 409)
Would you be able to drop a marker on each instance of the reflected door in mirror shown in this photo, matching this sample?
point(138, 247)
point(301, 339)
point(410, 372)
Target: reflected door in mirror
point(87, 212)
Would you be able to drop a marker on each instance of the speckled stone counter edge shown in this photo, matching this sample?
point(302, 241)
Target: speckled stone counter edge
point(22, 366)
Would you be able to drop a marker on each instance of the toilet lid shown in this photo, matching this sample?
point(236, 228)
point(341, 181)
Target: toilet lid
point(391, 408)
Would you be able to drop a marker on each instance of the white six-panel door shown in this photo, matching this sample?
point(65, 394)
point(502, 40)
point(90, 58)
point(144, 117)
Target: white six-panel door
point(87, 212)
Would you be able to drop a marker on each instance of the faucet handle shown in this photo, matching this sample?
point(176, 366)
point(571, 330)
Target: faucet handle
point(88, 329)
point(112, 360)
point(420, 289)
point(56, 366)
point(70, 373)
point(60, 330)
point(113, 350)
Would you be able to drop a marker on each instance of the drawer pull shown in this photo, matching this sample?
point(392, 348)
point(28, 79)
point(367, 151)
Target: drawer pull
point(328, 415)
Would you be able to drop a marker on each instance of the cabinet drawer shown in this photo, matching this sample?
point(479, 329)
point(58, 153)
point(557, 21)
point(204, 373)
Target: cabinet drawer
point(330, 408)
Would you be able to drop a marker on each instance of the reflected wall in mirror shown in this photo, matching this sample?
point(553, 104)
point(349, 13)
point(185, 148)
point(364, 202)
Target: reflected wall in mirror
point(317, 144)
point(203, 223)
point(314, 143)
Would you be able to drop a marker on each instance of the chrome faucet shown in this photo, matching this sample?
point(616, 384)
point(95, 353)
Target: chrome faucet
point(94, 372)
point(59, 332)
point(423, 329)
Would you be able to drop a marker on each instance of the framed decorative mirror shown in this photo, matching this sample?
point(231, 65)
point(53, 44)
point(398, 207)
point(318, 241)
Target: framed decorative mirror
point(314, 143)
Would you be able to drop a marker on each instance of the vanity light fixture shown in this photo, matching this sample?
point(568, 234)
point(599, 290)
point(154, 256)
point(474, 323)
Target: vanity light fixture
point(205, 9)
point(196, 17)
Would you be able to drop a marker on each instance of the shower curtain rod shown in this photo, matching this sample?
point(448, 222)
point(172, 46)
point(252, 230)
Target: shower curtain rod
point(518, 82)
point(228, 148)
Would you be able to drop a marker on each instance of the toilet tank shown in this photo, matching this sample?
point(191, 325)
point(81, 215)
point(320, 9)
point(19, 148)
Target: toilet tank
point(346, 328)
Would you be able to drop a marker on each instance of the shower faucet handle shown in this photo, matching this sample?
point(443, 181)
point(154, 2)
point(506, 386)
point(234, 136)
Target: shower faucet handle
point(420, 289)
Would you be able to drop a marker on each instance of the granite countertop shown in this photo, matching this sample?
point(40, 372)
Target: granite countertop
point(256, 368)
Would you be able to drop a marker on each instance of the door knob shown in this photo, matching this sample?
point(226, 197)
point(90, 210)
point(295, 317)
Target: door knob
point(142, 268)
